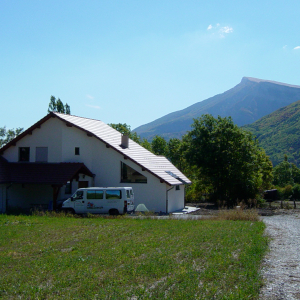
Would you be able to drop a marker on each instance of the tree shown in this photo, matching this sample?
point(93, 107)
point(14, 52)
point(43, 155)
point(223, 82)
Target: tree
point(174, 151)
point(286, 173)
point(67, 109)
point(159, 145)
point(146, 144)
point(126, 130)
point(229, 159)
point(8, 135)
point(58, 106)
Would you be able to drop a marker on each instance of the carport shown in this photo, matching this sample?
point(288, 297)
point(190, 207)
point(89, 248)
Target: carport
point(55, 175)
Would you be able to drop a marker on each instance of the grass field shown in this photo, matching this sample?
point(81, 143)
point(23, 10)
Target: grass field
point(43, 257)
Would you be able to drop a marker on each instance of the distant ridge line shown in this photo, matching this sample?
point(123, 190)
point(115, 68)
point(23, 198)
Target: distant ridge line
point(246, 102)
point(270, 81)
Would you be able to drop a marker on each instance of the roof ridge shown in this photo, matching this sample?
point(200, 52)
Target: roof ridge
point(79, 117)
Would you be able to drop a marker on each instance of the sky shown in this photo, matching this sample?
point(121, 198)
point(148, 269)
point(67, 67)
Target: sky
point(133, 61)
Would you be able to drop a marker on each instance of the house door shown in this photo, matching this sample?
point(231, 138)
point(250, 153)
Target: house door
point(83, 184)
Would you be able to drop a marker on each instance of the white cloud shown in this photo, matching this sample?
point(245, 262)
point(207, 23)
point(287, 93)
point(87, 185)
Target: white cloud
point(296, 48)
point(93, 106)
point(217, 30)
point(226, 29)
point(89, 96)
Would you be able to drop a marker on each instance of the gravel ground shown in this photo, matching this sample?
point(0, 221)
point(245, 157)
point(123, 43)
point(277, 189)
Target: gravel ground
point(281, 266)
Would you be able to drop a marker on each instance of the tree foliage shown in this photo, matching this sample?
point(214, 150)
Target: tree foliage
point(57, 105)
point(228, 159)
point(159, 145)
point(286, 173)
point(125, 129)
point(8, 135)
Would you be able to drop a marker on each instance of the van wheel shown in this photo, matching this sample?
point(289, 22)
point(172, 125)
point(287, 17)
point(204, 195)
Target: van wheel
point(70, 211)
point(113, 212)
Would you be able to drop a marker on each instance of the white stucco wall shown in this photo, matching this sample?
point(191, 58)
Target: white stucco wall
point(49, 135)
point(176, 198)
point(105, 163)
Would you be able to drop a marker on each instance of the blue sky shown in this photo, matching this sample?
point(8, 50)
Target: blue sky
point(135, 61)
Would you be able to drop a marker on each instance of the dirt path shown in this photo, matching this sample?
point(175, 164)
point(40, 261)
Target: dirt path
point(281, 267)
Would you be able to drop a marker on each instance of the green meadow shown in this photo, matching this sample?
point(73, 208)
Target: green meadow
point(64, 257)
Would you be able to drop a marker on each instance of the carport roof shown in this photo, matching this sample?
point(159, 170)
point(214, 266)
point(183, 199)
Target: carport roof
point(41, 173)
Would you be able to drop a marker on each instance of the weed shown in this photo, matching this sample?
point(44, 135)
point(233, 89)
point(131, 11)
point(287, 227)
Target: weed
point(238, 215)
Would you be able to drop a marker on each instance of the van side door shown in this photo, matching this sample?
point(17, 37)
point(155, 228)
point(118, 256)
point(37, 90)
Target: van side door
point(79, 202)
point(114, 200)
point(95, 201)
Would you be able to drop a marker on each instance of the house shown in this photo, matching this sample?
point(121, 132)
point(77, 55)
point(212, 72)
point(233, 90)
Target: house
point(61, 153)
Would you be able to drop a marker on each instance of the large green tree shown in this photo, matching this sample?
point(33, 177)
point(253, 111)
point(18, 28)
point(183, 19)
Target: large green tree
point(57, 105)
point(6, 135)
point(228, 159)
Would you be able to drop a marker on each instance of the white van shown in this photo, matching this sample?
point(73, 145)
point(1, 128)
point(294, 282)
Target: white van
point(101, 200)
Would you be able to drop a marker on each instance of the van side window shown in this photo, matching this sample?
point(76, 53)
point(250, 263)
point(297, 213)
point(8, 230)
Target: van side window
point(94, 194)
point(128, 194)
point(113, 194)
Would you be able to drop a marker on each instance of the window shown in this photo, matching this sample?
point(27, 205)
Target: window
point(130, 175)
point(177, 187)
point(78, 195)
point(94, 194)
point(68, 189)
point(83, 184)
point(41, 154)
point(113, 194)
point(24, 153)
point(77, 151)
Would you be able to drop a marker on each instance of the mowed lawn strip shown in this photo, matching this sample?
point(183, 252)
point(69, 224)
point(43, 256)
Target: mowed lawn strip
point(124, 258)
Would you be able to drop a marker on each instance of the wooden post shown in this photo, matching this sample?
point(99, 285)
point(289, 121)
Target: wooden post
point(56, 189)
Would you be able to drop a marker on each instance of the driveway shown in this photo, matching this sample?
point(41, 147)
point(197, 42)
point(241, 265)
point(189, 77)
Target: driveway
point(281, 266)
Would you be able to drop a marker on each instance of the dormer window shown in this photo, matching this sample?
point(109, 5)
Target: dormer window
point(24, 154)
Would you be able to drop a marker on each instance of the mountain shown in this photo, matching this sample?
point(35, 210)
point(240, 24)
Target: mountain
point(247, 102)
point(279, 133)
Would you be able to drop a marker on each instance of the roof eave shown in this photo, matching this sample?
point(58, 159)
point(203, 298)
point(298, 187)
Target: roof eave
point(27, 131)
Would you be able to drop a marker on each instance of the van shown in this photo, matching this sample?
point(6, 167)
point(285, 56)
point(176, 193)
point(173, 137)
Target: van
point(101, 200)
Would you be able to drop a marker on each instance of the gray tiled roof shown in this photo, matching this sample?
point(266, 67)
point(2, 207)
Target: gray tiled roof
point(157, 165)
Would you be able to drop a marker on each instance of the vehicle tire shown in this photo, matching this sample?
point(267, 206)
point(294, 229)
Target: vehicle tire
point(113, 212)
point(69, 211)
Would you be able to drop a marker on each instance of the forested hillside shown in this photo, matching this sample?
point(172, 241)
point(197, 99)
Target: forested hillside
point(279, 133)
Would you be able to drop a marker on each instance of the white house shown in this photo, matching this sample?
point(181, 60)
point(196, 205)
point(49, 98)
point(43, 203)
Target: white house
point(60, 153)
